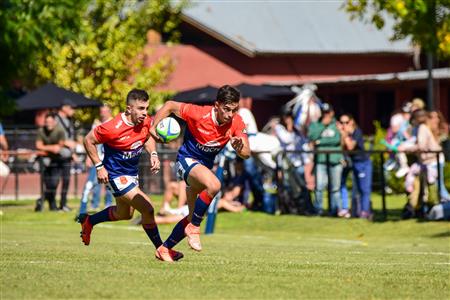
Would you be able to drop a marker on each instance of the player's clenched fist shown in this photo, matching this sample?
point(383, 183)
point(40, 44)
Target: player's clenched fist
point(154, 164)
point(102, 175)
point(237, 143)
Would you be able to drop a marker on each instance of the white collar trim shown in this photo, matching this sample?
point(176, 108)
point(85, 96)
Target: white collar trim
point(125, 120)
point(213, 116)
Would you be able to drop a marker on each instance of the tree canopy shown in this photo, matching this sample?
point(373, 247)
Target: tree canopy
point(427, 22)
point(108, 58)
point(95, 47)
point(25, 25)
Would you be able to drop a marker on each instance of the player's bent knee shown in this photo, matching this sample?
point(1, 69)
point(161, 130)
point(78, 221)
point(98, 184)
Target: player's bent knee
point(128, 217)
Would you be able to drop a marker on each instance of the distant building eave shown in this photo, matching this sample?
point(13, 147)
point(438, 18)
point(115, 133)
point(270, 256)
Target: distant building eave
point(441, 73)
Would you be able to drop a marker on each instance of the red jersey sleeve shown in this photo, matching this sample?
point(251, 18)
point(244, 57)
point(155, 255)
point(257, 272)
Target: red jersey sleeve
point(239, 128)
point(189, 111)
point(104, 132)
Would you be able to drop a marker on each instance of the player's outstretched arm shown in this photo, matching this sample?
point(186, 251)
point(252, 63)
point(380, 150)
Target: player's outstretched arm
point(150, 147)
point(241, 146)
point(170, 107)
point(90, 142)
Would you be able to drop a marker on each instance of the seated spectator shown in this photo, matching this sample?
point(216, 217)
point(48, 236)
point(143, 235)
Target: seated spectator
point(439, 211)
point(324, 135)
point(173, 188)
point(352, 139)
point(230, 198)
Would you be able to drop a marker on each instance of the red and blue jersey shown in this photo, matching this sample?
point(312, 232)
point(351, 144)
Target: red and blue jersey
point(123, 142)
point(204, 137)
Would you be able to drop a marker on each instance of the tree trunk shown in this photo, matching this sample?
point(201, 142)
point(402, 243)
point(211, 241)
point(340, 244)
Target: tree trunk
point(430, 91)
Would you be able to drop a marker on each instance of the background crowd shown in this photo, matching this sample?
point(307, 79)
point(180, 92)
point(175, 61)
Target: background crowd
point(303, 155)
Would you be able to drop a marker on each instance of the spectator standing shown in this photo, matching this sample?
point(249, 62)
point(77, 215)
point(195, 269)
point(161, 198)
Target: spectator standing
point(251, 170)
point(299, 164)
point(426, 164)
point(324, 135)
point(64, 118)
point(440, 129)
point(91, 182)
point(50, 139)
point(4, 169)
point(352, 139)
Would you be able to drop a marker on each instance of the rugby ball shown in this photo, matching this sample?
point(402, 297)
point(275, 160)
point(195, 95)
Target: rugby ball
point(168, 129)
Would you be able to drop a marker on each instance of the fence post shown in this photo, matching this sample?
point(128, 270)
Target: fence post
point(329, 182)
point(163, 171)
point(383, 186)
point(438, 177)
point(16, 170)
point(41, 178)
point(279, 179)
point(212, 209)
point(75, 183)
point(16, 179)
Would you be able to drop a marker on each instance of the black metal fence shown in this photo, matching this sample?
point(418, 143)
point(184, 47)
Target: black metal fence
point(380, 170)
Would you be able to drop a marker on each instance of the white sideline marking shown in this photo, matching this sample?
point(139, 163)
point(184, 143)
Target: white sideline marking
point(422, 253)
point(137, 243)
point(339, 241)
point(41, 223)
point(44, 262)
point(367, 263)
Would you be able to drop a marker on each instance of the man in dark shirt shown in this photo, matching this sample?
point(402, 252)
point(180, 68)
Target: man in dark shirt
point(50, 139)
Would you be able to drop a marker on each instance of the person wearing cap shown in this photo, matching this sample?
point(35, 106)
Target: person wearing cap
point(417, 104)
point(325, 135)
point(64, 118)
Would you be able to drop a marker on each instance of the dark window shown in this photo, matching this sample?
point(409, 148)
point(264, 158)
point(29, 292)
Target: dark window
point(384, 106)
point(346, 104)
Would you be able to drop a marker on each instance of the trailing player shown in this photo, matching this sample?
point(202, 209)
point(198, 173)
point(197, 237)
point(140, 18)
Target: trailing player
point(124, 138)
point(209, 129)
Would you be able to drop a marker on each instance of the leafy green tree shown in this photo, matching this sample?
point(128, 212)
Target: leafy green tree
point(108, 56)
point(25, 25)
point(427, 22)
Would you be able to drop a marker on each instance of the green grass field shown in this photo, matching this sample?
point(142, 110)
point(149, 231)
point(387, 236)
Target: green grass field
point(251, 256)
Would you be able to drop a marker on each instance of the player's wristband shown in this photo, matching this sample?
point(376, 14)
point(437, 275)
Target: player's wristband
point(99, 166)
point(154, 153)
